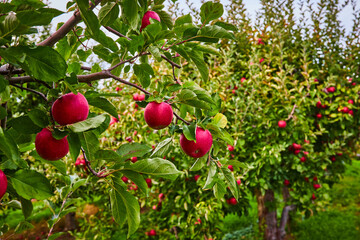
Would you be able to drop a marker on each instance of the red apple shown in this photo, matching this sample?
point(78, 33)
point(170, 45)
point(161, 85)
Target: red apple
point(319, 115)
point(282, 124)
point(315, 179)
point(200, 147)
point(161, 196)
point(316, 186)
point(296, 146)
point(261, 60)
point(196, 177)
point(351, 101)
point(70, 108)
point(351, 112)
point(148, 182)
point(232, 201)
point(238, 181)
point(146, 19)
point(48, 147)
point(152, 232)
point(345, 110)
point(313, 197)
point(134, 159)
point(136, 97)
point(303, 159)
point(319, 105)
point(332, 158)
point(125, 179)
point(286, 182)
point(3, 184)
point(118, 89)
point(231, 168)
point(243, 79)
point(230, 148)
point(331, 89)
point(141, 97)
point(158, 115)
point(306, 179)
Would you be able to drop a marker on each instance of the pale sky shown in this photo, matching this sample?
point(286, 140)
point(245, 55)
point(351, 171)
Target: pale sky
point(251, 5)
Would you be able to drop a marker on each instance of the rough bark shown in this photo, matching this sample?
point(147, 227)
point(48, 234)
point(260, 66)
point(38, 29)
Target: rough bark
point(270, 216)
point(261, 208)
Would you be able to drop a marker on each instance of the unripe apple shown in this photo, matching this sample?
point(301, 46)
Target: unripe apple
point(146, 19)
point(230, 148)
point(331, 89)
point(286, 182)
point(152, 232)
point(200, 147)
point(3, 184)
point(158, 115)
point(282, 124)
point(70, 108)
point(50, 148)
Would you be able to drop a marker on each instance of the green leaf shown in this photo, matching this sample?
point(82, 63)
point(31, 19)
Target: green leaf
point(210, 11)
point(104, 104)
point(59, 165)
point(129, 150)
point(162, 148)
point(11, 151)
point(183, 19)
point(186, 94)
point(165, 18)
point(108, 155)
point(227, 26)
point(155, 52)
point(106, 41)
point(3, 83)
point(156, 167)
point(24, 125)
point(56, 235)
point(125, 206)
point(210, 180)
point(32, 3)
point(26, 207)
point(39, 17)
point(90, 143)
point(130, 12)
point(42, 63)
point(143, 72)
point(198, 59)
point(215, 32)
point(220, 120)
point(219, 189)
point(89, 17)
point(87, 124)
point(23, 226)
point(74, 145)
point(30, 184)
point(3, 112)
point(199, 164)
point(190, 131)
point(39, 117)
point(103, 53)
point(108, 13)
point(230, 179)
point(138, 179)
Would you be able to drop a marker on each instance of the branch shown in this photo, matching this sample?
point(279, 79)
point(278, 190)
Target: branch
point(97, 174)
point(180, 118)
point(292, 113)
point(129, 60)
point(284, 220)
point(31, 90)
point(175, 79)
point(128, 83)
point(66, 27)
point(116, 32)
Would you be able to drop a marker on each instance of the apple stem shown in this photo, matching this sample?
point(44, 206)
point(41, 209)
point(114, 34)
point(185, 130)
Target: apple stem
point(180, 118)
point(97, 174)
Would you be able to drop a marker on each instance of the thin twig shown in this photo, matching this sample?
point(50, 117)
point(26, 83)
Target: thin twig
point(128, 83)
point(31, 90)
point(78, 38)
point(180, 118)
point(97, 174)
point(292, 113)
point(175, 79)
point(85, 68)
point(116, 32)
point(125, 61)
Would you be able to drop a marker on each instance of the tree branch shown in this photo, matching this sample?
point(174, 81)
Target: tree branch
point(284, 220)
point(175, 79)
point(31, 90)
point(66, 27)
point(128, 83)
point(180, 118)
point(97, 174)
point(292, 113)
point(116, 32)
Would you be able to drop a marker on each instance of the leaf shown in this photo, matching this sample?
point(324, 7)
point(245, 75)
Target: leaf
point(108, 13)
point(186, 94)
point(89, 17)
point(165, 18)
point(199, 164)
point(227, 26)
point(22, 226)
point(190, 131)
point(74, 145)
point(129, 150)
point(210, 11)
point(156, 167)
point(30, 184)
point(56, 235)
point(220, 120)
point(59, 165)
point(230, 179)
point(211, 176)
point(103, 104)
point(39, 17)
point(130, 12)
point(90, 143)
point(87, 124)
point(138, 179)
point(198, 59)
point(11, 151)
point(143, 72)
point(39, 117)
point(125, 206)
point(219, 189)
point(215, 32)
point(42, 63)
point(26, 207)
point(183, 19)
point(24, 125)
point(108, 155)
point(162, 148)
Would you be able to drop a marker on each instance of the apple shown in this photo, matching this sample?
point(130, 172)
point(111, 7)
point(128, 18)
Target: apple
point(125, 179)
point(282, 124)
point(230, 148)
point(243, 79)
point(196, 177)
point(319, 115)
point(316, 80)
point(199, 148)
point(134, 159)
point(70, 108)
point(158, 115)
point(316, 186)
point(161, 196)
point(306, 179)
point(152, 232)
point(351, 101)
point(303, 159)
point(261, 60)
point(50, 148)
point(318, 104)
point(148, 182)
point(141, 97)
point(354, 83)
point(3, 184)
point(136, 97)
point(231, 168)
point(238, 181)
point(331, 89)
point(306, 141)
point(332, 158)
point(296, 152)
point(232, 201)
point(286, 182)
point(146, 19)
point(345, 110)
point(315, 179)
point(118, 89)
point(313, 197)
point(339, 154)
point(351, 112)
point(296, 146)
point(113, 121)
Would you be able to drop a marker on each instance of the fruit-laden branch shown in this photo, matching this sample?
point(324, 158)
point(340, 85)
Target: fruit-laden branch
point(66, 27)
point(97, 174)
point(162, 56)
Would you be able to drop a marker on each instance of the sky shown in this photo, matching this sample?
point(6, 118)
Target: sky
point(252, 7)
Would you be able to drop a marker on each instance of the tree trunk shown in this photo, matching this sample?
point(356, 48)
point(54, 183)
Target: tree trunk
point(261, 209)
point(285, 217)
point(270, 216)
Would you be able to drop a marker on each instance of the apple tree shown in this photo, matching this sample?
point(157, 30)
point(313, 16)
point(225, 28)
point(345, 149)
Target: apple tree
point(52, 105)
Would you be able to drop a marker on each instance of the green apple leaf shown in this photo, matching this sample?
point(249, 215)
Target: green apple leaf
point(210, 11)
